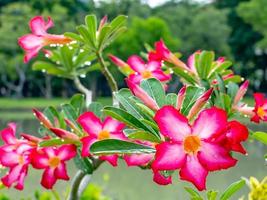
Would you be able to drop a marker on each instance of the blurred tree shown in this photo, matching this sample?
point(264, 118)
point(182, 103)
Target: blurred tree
point(243, 41)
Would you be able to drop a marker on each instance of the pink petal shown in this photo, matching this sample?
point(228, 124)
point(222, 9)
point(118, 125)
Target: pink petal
point(138, 159)
point(90, 123)
point(160, 179)
point(142, 95)
point(61, 172)
point(194, 172)
point(160, 75)
point(169, 156)
point(112, 159)
point(23, 174)
point(38, 25)
point(214, 157)
point(112, 125)
point(31, 42)
point(210, 122)
point(118, 135)
point(66, 152)
point(135, 78)
point(31, 54)
point(136, 63)
point(8, 135)
point(153, 65)
point(259, 99)
point(172, 124)
point(86, 144)
point(237, 132)
point(39, 159)
point(48, 179)
point(12, 176)
point(9, 159)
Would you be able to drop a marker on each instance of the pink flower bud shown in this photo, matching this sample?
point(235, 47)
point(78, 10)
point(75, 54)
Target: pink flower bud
point(42, 118)
point(180, 98)
point(241, 92)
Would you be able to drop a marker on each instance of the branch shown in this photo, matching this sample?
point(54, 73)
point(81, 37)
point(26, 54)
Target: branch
point(84, 90)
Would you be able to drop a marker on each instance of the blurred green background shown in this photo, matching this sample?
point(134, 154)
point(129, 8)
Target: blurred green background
point(236, 29)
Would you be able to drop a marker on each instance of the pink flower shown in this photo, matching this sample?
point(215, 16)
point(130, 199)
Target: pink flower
point(142, 95)
point(123, 66)
point(241, 92)
point(192, 148)
point(52, 160)
point(180, 98)
point(162, 53)
point(15, 154)
point(260, 109)
point(97, 130)
point(143, 70)
point(160, 179)
point(39, 38)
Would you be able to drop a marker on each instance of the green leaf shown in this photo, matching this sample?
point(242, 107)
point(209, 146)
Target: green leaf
point(184, 75)
point(205, 61)
point(91, 23)
point(260, 136)
point(69, 112)
point(83, 57)
point(91, 68)
point(146, 110)
point(234, 79)
point(77, 101)
point(143, 135)
point(191, 95)
point(233, 188)
point(171, 99)
point(113, 146)
point(125, 117)
point(50, 69)
point(118, 22)
point(53, 142)
point(232, 90)
point(220, 83)
point(193, 193)
point(51, 113)
point(73, 36)
point(155, 89)
point(66, 55)
point(86, 36)
point(103, 36)
point(212, 195)
point(83, 163)
point(225, 65)
point(96, 108)
point(123, 96)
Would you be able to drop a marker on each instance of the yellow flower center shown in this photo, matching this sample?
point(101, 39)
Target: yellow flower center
point(261, 112)
point(21, 160)
point(146, 74)
point(54, 162)
point(192, 144)
point(103, 135)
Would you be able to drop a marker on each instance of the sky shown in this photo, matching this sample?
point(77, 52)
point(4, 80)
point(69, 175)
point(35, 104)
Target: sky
point(154, 3)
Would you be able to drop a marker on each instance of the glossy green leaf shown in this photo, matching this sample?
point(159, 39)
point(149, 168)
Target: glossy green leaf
point(212, 195)
point(86, 36)
point(154, 89)
point(104, 34)
point(83, 163)
point(69, 112)
point(123, 96)
point(52, 114)
point(143, 135)
point(191, 95)
point(193, 193)
point(73, 36)
point(146, 110)
point(91, 68)
point(53, 142)
point(113, 146)
point(233, 188)
point(184, 75)
point(77, 101)
point(96, 108)
point(260, 136)
point(83, 57)
point(91, 23)
point(125, 117)
point(171, 99)
point(50, 69)
point(204, 65)
point(232, 89)
point(220, 83)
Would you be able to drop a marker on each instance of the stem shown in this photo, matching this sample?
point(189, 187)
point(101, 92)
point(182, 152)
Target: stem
point(84, 90)
point(74, 193)
point(111, 81)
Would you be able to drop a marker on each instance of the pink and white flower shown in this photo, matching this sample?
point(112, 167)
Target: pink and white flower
point(143, 70)
point(34, 42)
point(192, 148)
point(260, 109)
point(53, 161)
point(15, 155)
point(97, 130)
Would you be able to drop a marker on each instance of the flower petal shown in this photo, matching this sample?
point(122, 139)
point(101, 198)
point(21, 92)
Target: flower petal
point(66, 152)
point(259, 99)
point(214, 157)
point(8, 134)
point(160, 75)
point(90, 123)
point(194, 172)
point(30, 42)
point(160, 179)
point(112, 125)
point(86, 144)
point(210, 122)
point(169, 156)
point(23, 174)
point(38, 25)
point(9, 159)
point(153, 65)
point(12, 176)
point(136, 63)
point(112, 159)
point(48, 179)
point(61, 172)
point(138, 159)
point(39, 159)
point(135, 78)
point(172, 124)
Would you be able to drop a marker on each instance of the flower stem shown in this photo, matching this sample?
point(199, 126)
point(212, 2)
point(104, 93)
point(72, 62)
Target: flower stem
point(76, 184)
point(84, 90)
